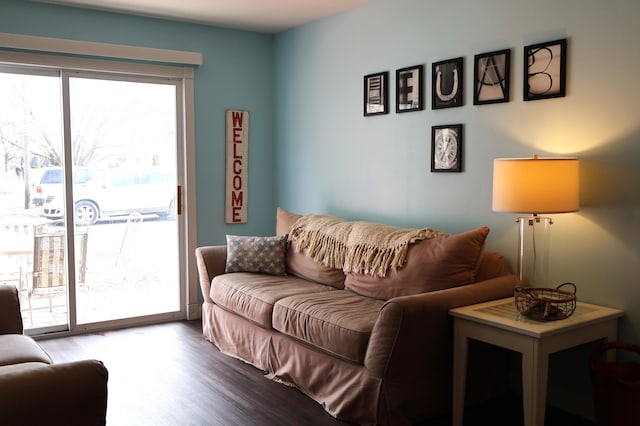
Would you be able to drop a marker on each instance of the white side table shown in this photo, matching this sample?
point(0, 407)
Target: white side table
point(499, 323)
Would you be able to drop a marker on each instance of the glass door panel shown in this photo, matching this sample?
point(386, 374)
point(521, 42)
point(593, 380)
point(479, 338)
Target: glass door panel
point(33, 251)
point(124, 141)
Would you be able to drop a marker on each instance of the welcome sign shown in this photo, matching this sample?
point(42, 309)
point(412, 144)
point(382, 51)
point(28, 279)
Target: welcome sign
point(237, 166)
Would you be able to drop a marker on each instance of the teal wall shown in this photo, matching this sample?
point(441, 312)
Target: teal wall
point(237, 73)
point(332, 159)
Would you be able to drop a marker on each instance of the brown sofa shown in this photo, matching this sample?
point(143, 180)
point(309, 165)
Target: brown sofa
point(33, 390)
point(367, 355)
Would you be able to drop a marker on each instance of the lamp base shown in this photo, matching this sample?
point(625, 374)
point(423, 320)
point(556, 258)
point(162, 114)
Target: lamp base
point(533, 250)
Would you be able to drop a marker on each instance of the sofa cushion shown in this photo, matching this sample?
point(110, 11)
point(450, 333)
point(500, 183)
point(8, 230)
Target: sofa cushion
point(301, 265)
point(252, 296)
point(256, 254)
point(435, 264)
point(339, 322)
point(492, 264)
point(18, 349)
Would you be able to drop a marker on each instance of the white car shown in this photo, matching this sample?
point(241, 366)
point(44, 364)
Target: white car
point(121, 192)
point(50, 182)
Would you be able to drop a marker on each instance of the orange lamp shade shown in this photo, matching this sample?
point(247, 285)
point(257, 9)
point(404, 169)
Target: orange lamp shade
point(536, 185)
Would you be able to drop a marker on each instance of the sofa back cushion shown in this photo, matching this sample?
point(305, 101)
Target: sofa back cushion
point(434, 264)
point(493, 264)
point(301, 265)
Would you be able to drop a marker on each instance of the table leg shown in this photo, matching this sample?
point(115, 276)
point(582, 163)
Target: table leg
point(535, 367)
point(460, 350)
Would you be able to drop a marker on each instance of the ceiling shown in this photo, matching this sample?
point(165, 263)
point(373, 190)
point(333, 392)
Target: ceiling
point(265, 16)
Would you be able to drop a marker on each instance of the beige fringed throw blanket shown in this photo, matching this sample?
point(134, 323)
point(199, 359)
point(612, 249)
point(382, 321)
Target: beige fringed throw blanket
point(359, 247)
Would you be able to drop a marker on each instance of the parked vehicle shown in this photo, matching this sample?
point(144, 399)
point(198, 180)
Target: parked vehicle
point(120, 192)
point(50, 182)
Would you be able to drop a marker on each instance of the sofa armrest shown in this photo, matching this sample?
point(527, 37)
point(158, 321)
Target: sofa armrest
point(10, 317)
point(68, 393)
point(410, 327)
point(211, 261)
point(411, 346)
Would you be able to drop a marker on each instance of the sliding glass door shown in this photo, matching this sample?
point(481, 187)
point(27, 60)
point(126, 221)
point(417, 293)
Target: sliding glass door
point(31, 140)
point(89, 190)
point(125, 133)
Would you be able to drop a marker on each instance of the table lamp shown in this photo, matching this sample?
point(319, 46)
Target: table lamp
point(535, 186)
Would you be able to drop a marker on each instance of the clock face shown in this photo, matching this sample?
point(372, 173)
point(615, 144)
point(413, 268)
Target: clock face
point(445, 152)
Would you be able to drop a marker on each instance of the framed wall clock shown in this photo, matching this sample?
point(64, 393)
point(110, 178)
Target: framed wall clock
point(446, 148)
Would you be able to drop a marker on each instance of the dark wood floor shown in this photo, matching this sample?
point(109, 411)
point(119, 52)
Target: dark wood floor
point(169, 374)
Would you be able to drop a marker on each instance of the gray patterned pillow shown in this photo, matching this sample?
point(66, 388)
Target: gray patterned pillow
point(265, 255)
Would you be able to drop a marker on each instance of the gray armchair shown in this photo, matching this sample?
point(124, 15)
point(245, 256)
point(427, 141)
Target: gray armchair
point(33, 390)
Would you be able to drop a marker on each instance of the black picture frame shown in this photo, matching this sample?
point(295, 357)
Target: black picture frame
point(376, 93)
point(409, 89)
point(447, 86)
point(545, 70)
point(446, 148)
point(491, 77)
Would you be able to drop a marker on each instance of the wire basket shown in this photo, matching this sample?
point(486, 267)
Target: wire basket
point(546, 304)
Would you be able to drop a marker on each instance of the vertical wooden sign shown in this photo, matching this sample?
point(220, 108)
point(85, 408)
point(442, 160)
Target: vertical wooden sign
point(237, 166)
